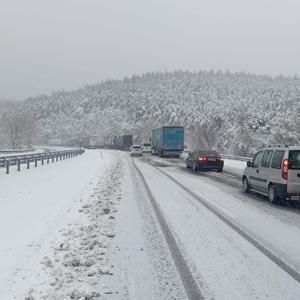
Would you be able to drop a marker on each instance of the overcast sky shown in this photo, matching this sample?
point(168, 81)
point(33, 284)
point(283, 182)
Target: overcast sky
point(47, 45)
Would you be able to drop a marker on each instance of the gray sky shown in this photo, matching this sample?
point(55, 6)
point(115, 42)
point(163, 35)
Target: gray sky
point(47, 45)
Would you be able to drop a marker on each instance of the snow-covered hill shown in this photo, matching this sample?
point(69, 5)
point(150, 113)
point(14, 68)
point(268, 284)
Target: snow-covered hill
point(234, 112)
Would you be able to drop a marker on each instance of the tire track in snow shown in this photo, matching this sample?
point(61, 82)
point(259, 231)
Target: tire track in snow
point(273, 257)
point(190, 285)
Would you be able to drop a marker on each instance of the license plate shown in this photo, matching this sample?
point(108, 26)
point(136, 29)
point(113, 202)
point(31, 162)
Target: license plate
point(295, 198)
point(211, 159)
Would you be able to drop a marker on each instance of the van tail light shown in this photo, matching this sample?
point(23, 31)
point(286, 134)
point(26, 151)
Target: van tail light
point(285, 169)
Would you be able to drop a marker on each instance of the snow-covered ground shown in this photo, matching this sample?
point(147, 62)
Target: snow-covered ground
point(235, 167)
point(87, 228)
point(38, 212)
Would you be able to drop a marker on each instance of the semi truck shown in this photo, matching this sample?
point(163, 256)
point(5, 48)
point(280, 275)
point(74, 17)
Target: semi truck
point(168, 141)
point(123, 142)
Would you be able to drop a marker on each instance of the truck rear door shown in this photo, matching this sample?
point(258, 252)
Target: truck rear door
point(173, 138)
point(294, 172)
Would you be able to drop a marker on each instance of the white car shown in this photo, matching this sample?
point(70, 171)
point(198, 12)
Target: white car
point(147, 148)
point(136, 150)
point(275, 172)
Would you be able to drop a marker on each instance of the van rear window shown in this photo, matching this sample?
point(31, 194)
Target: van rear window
point(294, 158)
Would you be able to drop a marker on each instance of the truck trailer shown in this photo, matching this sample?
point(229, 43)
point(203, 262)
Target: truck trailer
point(123, 142)
point(168, 141)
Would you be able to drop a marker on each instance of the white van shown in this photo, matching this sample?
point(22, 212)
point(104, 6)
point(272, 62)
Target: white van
point(275, 172)
point(147, 148)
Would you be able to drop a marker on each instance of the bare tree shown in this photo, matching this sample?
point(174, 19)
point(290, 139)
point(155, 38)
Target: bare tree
point(19, 128)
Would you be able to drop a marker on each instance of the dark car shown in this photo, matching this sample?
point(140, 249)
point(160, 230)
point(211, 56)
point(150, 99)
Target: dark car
point(205, 160)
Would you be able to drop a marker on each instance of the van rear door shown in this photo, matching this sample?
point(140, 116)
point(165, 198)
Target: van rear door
point(294, 172)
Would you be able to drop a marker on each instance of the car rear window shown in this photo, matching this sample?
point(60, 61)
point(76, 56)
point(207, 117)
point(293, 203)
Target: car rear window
point(208, 152)
point(266, 160)
point(294, 158)
point(136, 147)
point(277, 159)
point(147, 144)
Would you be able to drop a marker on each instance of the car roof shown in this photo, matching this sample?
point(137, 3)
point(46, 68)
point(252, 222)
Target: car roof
point(294, 148)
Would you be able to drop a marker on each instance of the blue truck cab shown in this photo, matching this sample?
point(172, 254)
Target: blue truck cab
point(168, 141)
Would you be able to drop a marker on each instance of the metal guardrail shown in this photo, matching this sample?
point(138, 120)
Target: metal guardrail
point(237, 157)
point(16, 151)
point(234, 157)
point(18, 160)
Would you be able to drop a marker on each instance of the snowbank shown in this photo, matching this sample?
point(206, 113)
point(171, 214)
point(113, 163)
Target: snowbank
point(34, 205)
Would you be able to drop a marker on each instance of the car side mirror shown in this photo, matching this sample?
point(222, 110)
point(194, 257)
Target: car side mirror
point(249, 164)
point(190, 153)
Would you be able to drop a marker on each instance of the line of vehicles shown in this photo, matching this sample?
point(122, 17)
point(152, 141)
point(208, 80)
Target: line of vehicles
point(273, 172)
point(164, 141)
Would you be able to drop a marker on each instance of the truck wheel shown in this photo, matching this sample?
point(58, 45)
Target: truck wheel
point(272, 195)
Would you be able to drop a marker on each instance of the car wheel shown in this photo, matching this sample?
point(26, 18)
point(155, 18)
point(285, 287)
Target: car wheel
point(194, 167)
point(272, 195)
point(246, 186)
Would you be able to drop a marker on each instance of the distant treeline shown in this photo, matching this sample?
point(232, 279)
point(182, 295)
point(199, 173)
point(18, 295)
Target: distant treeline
point(232, 112)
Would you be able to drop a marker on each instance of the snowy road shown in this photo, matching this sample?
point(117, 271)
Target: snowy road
point(110, 227)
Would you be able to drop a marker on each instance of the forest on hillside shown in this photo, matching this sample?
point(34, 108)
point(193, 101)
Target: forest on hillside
point(232, 112)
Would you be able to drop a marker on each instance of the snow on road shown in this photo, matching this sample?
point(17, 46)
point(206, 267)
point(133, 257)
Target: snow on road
point(143, 267)
point(82, 229)
point(267, 226)
point(85, 228)
point(228, 267)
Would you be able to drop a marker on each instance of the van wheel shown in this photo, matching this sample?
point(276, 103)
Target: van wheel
point(272, 195)
point(246, 186)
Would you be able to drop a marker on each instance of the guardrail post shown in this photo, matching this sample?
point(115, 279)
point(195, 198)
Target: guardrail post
point(52, 157)
point(7, 166)
point(19, 164)
point(56, 157)
point(48, 159)
point(35, 161)
point(28, 162)
point(42, 159)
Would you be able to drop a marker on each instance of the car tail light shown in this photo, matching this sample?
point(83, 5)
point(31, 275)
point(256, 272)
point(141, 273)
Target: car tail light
point(201, 158)
point(221, 158)
point(285, 169)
